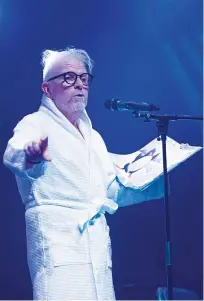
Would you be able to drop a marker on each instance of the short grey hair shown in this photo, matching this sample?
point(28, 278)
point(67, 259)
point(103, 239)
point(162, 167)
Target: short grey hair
point(51, 57)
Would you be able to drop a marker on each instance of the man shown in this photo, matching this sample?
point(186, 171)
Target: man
point(67, 182)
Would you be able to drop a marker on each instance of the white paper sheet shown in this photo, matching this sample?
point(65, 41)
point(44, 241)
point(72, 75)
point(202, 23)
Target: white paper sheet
point(139, 169)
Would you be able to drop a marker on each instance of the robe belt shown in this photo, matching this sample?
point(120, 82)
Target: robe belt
point(101, 207)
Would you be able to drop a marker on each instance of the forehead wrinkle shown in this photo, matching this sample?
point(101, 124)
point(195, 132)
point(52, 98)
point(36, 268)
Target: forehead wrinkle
point(63, 67)
point(73, 67)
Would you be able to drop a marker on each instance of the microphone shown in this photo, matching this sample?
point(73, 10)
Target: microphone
point(116, 104)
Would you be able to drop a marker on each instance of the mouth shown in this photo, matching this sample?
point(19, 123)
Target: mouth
point(79, 95)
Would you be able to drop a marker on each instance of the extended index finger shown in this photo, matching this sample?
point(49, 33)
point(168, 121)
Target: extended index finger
point(43, 143)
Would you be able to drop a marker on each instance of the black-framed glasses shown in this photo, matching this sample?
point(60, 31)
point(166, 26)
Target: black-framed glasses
point(71, 77)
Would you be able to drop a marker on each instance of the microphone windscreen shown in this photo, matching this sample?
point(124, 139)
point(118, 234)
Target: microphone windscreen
point(108, 104)
point(112, 104)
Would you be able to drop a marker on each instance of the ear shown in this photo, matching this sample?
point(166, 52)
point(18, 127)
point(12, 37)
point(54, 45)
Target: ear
point(45, 88)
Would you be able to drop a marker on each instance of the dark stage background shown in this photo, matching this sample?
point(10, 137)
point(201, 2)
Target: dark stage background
point(144, 50)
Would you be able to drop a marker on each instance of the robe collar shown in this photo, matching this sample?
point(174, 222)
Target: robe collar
point(84, 123)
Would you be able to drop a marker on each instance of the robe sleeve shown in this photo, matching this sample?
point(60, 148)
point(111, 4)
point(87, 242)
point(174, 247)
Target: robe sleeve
point(14, 157)
point(125, 196)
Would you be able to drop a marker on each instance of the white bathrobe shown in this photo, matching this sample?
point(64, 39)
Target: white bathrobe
point(68, 243)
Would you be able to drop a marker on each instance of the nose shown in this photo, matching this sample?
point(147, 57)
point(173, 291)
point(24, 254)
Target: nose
point(78, 84)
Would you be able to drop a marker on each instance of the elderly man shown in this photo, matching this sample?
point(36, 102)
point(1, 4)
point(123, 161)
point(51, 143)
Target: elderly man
point(67, 182)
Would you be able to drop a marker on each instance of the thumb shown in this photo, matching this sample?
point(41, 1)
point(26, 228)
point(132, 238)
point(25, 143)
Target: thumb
point(46, 156)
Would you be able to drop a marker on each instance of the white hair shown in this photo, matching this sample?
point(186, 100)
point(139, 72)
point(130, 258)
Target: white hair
point(52, 57)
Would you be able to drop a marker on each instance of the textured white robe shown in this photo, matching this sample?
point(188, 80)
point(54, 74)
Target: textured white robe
point(68, 243)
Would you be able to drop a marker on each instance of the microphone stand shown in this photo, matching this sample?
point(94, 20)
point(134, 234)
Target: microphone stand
point(162, 122)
